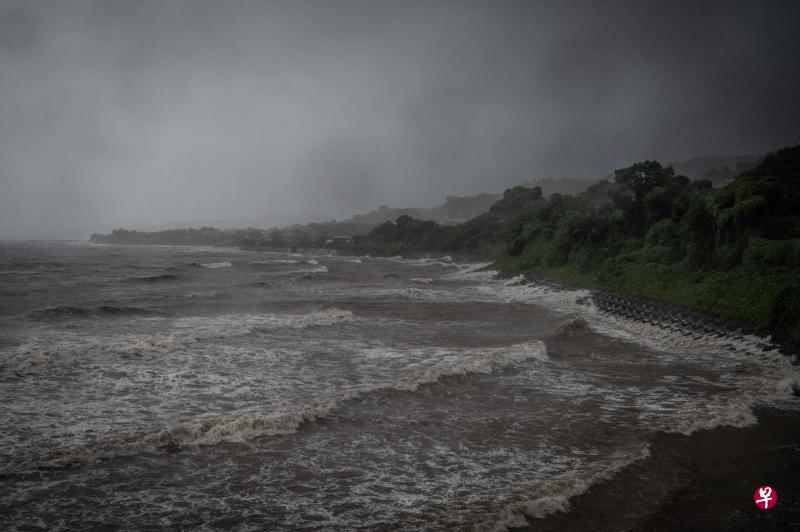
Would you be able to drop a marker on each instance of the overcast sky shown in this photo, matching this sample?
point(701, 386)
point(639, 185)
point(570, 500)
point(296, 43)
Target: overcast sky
point(128, 113)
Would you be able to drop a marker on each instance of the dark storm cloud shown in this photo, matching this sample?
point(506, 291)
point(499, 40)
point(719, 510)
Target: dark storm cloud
point(135, 112)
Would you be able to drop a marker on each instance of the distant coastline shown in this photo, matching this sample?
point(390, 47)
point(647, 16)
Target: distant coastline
point(731, 252)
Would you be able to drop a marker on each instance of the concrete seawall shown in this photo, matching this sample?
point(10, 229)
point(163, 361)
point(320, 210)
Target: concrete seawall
point(660, 313)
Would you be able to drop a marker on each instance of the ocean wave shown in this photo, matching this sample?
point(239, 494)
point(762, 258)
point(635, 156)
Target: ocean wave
point(217, 265)
point(473, 272)
point(408, 293)
point(29, 358)
point(70, 312)
point(736, 413)
point(276, 261)
point(62, 311)
point(154, 278)
point(486, 361)
point(321, 269)
point(574, 327)
point(773, 378)
point(673, 337)
point(446, 261)
point(554, 496)
point(250, 424)
point(111, 310)
point(234, 430)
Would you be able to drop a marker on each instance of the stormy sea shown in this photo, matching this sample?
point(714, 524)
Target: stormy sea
point(178, 387)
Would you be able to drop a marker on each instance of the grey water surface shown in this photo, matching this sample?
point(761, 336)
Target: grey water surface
point(147, 388)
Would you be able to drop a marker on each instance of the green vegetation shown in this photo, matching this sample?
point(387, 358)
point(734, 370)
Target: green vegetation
point(733, 251)
point(312, 235)
point(485, 234)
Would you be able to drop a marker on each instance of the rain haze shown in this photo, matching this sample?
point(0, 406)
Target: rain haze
point(399, 265)
point(137, 113)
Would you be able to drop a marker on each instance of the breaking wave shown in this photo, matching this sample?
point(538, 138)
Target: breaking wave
point(67, 311)
point(216, 265)
point(573, 327)
point(321, 269)
point(28, 358)
point(473, 272)
point(276, 261)
point(251, 424)
point(775, 376)
point(554, 496)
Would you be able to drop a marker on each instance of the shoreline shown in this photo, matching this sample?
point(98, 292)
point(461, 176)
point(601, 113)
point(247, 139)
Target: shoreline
point(703, 481)
point(321, 250)
point(659, 312)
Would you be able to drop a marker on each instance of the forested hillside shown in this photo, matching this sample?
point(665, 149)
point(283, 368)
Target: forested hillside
point(485, 234)
point(734, 251)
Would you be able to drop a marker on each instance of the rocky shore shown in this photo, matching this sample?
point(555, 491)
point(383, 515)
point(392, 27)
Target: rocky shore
point(662, 314)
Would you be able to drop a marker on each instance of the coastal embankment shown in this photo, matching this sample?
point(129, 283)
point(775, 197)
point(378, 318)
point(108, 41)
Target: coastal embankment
point(661, 313)
point(700, 480)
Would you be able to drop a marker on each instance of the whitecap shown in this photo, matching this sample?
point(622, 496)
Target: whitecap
point(246, 425)
point(216, 265)
point(31, 357)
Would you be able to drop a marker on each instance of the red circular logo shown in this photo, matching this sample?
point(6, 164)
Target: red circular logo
point(765, 497)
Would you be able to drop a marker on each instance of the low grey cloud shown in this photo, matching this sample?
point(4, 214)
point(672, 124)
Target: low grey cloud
point(128, 113)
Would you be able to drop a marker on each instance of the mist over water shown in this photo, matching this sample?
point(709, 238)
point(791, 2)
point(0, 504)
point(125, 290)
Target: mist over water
point(199, 112)
point(148, 388)
point(211, 388)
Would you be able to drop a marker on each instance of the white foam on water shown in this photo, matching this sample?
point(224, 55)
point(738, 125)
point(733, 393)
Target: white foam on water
point(472, 272)
point(179, 247)
point(771, 378)
point(217, 265)
point(554, 495)
point(445, 261)
point(246, 425)
point(320, 269)
point(277, 261)
point(33, 356)
point(413, 293)
point(485, 361)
